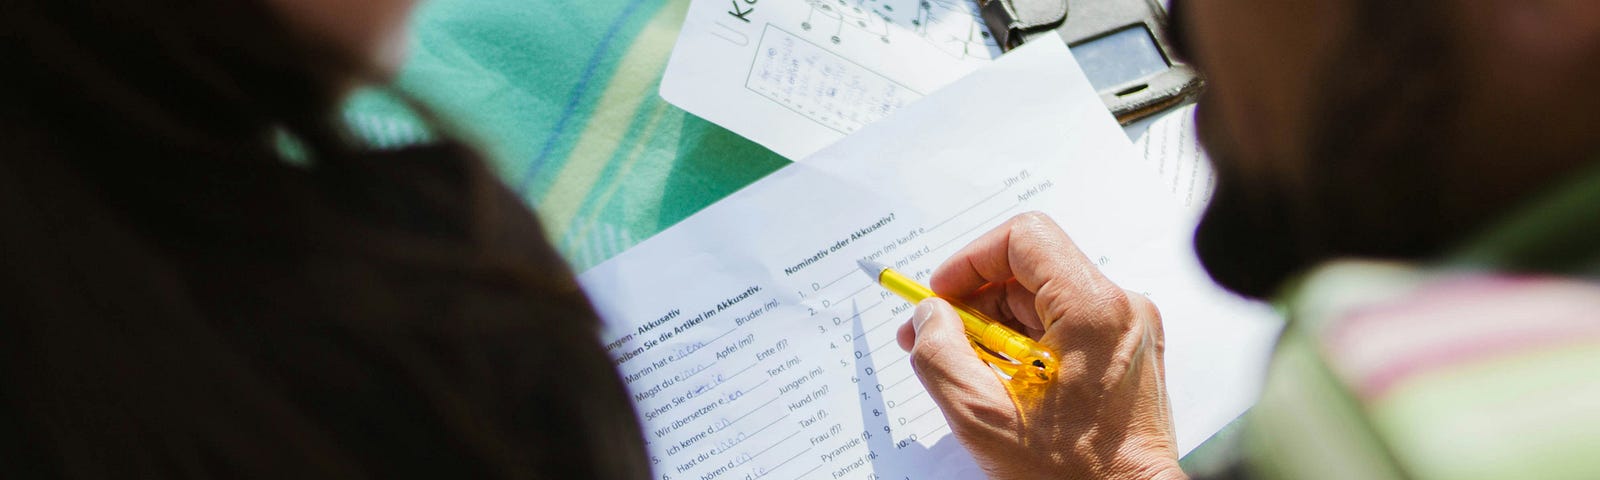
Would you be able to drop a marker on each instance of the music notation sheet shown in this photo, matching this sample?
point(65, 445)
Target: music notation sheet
point(754, 348)
point(798, 75)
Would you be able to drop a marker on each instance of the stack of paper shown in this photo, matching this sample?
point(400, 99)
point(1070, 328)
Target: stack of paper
point(754, 348)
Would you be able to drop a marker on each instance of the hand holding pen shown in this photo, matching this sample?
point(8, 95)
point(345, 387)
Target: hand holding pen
point(1104, 409)
point(1015, 355)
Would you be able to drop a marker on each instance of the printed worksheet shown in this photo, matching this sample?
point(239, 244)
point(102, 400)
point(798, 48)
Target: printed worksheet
point(754, 347)
point(1172, 148)
point(798, 75)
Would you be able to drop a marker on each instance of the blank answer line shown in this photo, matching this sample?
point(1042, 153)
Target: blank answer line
point(900, 360)
point(935, 430)
point(913, 396)
point(752, 412)
point(885, 365)
point(874, 327)
point(774, 445)
point(853, 294)
point(740, 372)
point(786, 462)
point(880, 325)
point(753, 435)
point(836, 280)
point(924, 413)
point(891, 341)
point(900, 381)
point(808, 472)
point(975, 227)
point(964, 212)
point(868, 309)
point(753, 388)
point(763, 429)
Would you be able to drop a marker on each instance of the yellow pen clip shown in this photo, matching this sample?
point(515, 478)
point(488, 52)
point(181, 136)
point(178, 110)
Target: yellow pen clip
point(1014, 354)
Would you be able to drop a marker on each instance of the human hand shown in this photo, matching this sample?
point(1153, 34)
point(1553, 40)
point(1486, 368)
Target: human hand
point(1104, 415)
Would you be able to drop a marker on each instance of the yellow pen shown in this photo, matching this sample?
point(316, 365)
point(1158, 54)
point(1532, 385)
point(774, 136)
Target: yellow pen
point(1015, 354)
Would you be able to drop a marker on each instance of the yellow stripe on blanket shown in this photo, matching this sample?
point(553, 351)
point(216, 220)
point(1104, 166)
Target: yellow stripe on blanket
point(633, 82)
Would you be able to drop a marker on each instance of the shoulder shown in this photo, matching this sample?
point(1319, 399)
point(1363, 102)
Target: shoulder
point(1447, 374)
point(448, 187)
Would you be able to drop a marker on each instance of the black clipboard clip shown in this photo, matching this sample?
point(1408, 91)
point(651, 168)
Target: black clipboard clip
point(1133, 29)
point(1011, 20)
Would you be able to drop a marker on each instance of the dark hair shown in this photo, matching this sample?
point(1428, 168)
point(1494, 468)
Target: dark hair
point(179, 300)
point(1369, 183)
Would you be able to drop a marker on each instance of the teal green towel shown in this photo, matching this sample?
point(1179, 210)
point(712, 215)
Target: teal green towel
point(563, 97)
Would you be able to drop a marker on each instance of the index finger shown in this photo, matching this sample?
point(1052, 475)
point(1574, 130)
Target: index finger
point(1030, 247)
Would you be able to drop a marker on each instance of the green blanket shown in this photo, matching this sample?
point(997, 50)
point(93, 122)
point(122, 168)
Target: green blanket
point(562, 96)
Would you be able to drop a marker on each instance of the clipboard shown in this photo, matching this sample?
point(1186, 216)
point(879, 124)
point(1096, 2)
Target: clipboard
point(1123, 45)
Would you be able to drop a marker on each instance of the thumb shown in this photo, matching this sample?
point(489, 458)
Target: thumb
point(956, 378)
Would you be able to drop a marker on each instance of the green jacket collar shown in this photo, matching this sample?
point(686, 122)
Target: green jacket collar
point(1557, 232)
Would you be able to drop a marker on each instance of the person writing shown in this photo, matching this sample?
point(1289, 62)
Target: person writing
point(1415, 183)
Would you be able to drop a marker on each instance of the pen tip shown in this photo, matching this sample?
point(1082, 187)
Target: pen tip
point(871, 268)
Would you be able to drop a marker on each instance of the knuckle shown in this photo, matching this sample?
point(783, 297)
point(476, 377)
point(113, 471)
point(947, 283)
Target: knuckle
point(1107, 302)
point(925, 358)
point(1122, 361)
point(1112, 302)
point(1100, 306)
point(1056, 307)
point(1033, 228)
point(1141, 306)
point(1150, 316)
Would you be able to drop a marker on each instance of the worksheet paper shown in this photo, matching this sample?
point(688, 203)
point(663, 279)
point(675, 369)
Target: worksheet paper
point(1172, 149)
point(754, 347)
point(798, 75)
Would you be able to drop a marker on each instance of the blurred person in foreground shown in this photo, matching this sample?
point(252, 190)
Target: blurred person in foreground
point(1416, 184)
point(204, 276)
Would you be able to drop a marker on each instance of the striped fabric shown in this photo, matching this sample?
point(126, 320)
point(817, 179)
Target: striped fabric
point(562, 95)
point(1458, 370)
point(1390, 372)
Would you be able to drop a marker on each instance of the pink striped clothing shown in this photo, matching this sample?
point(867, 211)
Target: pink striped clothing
point(1389, 371)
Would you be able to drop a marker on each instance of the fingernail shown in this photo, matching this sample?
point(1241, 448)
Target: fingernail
point(923, 313)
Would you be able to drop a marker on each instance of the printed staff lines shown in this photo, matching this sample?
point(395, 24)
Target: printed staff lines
point(952, 27)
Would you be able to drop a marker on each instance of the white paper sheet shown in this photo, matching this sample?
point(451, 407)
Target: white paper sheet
point(1172, 149)
point(798, 75)
point(755, 348)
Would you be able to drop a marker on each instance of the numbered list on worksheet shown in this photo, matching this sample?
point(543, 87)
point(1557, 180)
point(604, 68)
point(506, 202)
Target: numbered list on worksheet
point(800, 375)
